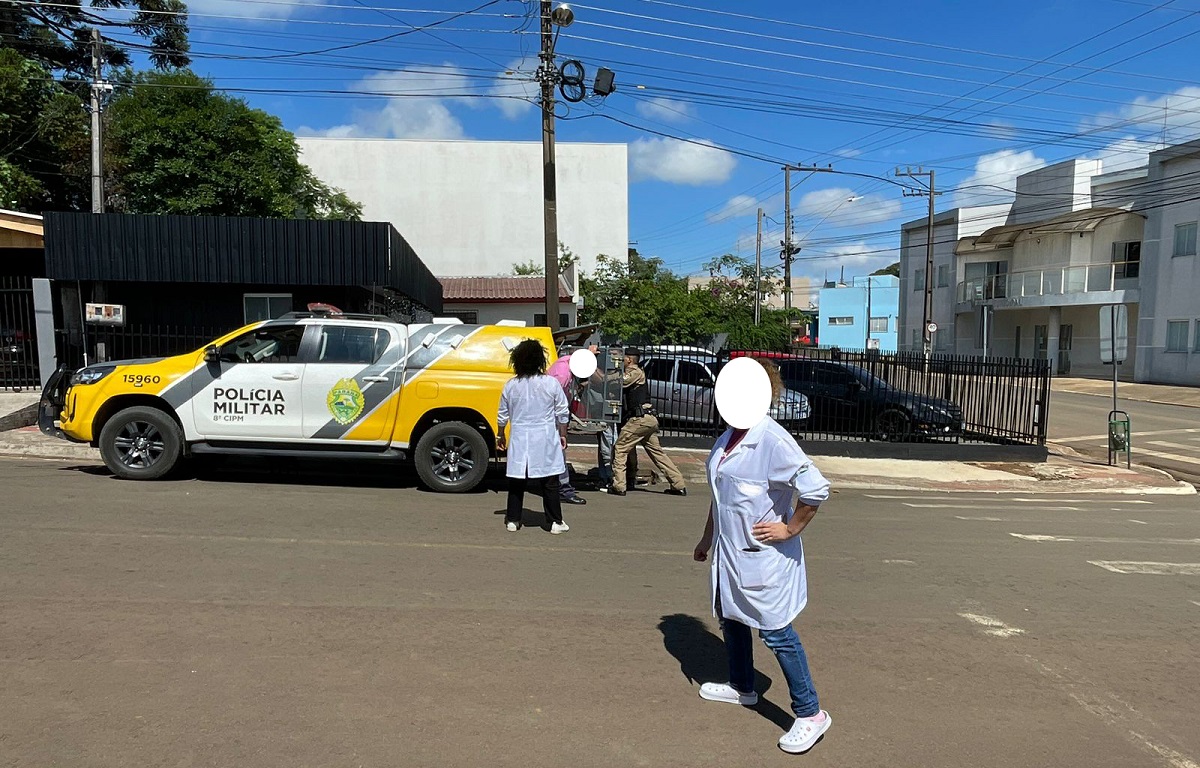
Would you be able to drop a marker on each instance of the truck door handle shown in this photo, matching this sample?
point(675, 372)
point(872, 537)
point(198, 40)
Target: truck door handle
point(376, 379)
point(286, 376)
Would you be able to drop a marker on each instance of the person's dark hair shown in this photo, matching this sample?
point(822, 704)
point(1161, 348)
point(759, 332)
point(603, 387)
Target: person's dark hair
point(528, 358)
point(633, 352)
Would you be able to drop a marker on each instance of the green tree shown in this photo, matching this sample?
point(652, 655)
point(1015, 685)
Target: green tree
point(640, 300)
point(43, 139)
point(57, 34)
point(732, 287)
point(175, 145)
point(890, 269)
point(566, 260)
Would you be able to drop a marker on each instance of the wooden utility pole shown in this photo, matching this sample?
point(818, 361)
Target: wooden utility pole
point(788, 251)
point(758, 271)
point(927, 314)
point(547, 75)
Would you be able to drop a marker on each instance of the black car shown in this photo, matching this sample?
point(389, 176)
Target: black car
point(847, 399)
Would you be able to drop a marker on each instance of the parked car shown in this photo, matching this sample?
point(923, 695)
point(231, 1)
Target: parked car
point(681, 389)
point(847, 399)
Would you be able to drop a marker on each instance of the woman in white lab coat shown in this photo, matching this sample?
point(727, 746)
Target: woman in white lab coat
point(765, 491)
point(536, 408)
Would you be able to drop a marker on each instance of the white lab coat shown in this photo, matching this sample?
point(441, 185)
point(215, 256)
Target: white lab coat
point(761, 585)
point(535, 406)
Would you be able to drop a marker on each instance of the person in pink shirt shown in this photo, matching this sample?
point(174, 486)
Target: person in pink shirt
point(560, 371)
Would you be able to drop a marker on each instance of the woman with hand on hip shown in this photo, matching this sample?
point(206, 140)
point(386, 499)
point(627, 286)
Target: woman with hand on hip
point(534, 404)
point(765, 492)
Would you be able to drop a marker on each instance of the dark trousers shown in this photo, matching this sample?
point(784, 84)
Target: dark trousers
point(550, 500)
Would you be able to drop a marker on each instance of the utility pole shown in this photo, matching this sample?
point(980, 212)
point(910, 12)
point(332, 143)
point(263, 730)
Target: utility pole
point(867, 340)
point(98, 87)
point(927, 315)
point(788, 251)
point(758, 271)
point(547, 74)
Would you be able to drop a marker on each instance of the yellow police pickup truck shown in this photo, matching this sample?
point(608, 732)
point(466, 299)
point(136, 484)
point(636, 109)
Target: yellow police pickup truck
point(307, 384)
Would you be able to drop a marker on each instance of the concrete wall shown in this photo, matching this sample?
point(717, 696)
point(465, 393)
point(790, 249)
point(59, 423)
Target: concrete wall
point(1169, 284)
point(1054, 190)
point(475, 207)
point(488, 314)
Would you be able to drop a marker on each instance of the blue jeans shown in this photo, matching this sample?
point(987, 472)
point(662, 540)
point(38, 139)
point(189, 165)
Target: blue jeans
point(605, 441)
point(785, 643)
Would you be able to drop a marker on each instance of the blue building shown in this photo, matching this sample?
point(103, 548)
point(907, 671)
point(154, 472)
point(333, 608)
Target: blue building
point(845, 309)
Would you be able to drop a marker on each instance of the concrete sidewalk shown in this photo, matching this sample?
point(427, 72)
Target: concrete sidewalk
point(1147, 393)
point(18, 409)
point(1060, 474)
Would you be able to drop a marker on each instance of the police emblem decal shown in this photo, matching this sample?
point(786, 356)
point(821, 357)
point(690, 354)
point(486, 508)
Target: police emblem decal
point(345, 401)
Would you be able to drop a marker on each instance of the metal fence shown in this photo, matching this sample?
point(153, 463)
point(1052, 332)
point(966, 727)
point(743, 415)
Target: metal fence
point(18, 345)
point(835, 394)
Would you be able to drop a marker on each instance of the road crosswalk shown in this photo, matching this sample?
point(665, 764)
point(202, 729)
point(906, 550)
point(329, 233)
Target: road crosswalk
point(1176, 445)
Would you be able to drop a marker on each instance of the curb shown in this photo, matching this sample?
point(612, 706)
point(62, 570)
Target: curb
point(1126, 397)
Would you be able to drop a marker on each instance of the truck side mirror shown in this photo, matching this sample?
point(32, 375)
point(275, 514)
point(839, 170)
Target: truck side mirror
point(211, 354)
point(706, 382)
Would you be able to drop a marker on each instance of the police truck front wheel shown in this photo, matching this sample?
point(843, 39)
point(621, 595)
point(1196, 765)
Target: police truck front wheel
point(452, 457)
point(141, 443)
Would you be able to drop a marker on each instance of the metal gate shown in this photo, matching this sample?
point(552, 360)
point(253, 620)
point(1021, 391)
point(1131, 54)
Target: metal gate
point(18, 346)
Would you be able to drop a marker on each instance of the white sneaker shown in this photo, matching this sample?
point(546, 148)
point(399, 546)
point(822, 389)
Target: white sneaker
point(512, 527)
point(804, 734)
point(728, 694)
point(559, 528)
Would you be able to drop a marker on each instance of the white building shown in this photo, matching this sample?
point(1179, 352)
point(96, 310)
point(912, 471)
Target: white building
point(475, 207)
point(1074, 240)
point(948, 228)
point(1168, 329)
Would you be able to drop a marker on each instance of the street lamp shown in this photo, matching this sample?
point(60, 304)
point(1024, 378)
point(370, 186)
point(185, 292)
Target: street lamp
point(562, 16)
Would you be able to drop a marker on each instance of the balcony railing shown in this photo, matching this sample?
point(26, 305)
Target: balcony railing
point(1055, 281)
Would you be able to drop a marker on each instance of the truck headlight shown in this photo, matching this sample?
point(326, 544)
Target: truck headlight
point(91, 374)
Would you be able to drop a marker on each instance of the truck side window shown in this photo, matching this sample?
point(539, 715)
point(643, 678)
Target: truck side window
point(275, 344)
point(350, 344)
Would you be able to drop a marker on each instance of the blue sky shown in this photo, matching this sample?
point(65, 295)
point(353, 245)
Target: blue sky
point(977, 91)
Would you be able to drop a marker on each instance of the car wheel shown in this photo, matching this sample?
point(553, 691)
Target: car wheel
point(893, 426)
point(141, 443)
point(452, 457)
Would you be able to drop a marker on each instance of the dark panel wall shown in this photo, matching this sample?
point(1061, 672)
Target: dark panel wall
point(211, 249)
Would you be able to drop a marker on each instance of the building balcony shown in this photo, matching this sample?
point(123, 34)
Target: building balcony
point(1115, 283)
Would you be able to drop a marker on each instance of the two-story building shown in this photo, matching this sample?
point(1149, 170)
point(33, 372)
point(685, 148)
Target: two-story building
point(861, 314)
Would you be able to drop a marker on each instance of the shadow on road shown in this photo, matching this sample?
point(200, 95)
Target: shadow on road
point(701, 657)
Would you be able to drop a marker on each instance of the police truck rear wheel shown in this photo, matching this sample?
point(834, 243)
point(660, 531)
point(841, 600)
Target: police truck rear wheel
point(141, 444)
point(452, 457)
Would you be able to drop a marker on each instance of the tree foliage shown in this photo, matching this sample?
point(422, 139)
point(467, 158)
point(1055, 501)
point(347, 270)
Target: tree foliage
point(57, 35)
point(44, 160)
point(566, 260)
point(175, 145)
point(890, 269)
point(641, 301)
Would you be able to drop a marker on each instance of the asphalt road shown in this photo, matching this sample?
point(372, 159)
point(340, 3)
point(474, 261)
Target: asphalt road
point(284, 615)
point(1164, 436)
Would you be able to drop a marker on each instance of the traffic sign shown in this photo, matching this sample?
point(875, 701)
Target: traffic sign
point(1114, 333)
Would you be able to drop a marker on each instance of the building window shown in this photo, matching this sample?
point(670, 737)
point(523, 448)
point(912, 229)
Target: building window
point(1127, 259)
point(943, 276)
point(879, 325)
point(841, 321)
point(265, 306)
point(1177, 335)
point(1185, 239)
point(539, 320)
point(919, 280)
point(916, 339)
point(1017, 342)
point(1197, 337)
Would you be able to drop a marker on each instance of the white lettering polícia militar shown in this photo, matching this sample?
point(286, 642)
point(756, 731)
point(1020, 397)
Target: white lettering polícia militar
point(248, 402)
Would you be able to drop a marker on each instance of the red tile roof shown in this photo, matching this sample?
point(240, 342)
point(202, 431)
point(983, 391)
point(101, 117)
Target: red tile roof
point(500, 289)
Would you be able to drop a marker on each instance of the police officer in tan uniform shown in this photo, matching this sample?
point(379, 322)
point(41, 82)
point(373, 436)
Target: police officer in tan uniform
point(641, 428)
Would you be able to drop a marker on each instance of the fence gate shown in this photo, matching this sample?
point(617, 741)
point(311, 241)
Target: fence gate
point(18, 346)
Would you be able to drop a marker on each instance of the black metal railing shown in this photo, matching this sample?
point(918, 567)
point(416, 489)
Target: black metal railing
point(833, 394)
point(18, 344)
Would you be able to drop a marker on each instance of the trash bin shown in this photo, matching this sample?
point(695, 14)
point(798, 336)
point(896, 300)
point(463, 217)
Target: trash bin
point(1119, 437)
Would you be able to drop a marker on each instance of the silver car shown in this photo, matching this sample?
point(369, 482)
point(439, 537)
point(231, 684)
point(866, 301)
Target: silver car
point(681, 389)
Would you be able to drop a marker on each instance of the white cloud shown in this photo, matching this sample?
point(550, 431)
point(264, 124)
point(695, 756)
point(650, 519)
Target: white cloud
point(858, 259)
point(680, 162)
point(841, 207)
point(994, 174)
point(419, 107)
point(736, 207)
point(518, 89)
point(251, 9)
point(666, 110)
point(1170, 119)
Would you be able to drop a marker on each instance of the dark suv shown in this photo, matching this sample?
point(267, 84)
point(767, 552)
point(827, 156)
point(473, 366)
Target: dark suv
point(847, 399)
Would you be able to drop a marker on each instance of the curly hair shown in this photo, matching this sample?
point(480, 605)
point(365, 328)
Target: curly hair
point(528, 358)
point(773, 374)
